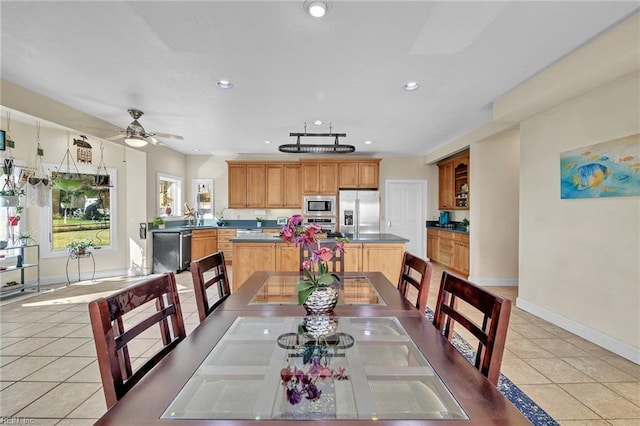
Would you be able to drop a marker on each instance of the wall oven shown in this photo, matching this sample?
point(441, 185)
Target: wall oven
point(319, 205)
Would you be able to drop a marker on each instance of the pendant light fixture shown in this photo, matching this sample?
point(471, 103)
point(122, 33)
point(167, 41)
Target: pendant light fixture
point(300, 148)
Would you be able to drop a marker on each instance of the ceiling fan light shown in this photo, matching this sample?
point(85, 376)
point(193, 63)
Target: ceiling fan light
point(317, 9)
point(135, 141)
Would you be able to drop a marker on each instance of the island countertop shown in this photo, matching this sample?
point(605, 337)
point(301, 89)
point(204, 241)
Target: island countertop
point(362, 238)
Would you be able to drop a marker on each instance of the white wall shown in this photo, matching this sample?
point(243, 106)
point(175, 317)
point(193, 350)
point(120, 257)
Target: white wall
point(494, 192)
point(579, 258)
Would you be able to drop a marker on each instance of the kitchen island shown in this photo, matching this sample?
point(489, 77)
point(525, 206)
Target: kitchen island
point(364, 253)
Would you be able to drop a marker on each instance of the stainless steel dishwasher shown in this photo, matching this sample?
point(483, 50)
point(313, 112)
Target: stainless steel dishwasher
point(171, 251)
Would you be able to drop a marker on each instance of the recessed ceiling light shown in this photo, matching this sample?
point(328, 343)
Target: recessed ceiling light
point(318, 122)
point(317, 9)
point(412, 85)
point(224, 84)
point(196, 149)
point(267, 142)
point(368, 142)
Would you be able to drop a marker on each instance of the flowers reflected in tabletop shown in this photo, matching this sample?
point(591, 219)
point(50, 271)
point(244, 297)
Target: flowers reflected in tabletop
point(308, 381)
point(315, 268)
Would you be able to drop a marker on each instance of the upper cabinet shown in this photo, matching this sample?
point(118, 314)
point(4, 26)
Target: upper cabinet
point(319, 177)
point(453, 183)
point(237, 186)
point(264, 185)
point(360, 174)
point(281, 185)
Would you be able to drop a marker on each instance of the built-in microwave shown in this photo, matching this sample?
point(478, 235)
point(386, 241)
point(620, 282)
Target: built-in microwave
point(319, 205)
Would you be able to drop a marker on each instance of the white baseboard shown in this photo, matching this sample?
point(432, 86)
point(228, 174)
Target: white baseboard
point(612, 344)
point(494, 282)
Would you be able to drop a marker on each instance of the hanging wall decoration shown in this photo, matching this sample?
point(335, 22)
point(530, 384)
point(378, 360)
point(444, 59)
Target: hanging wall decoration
point(38, 190)
point(84, 150)
point(102, 178)
point(67, 178)
point(606, 169)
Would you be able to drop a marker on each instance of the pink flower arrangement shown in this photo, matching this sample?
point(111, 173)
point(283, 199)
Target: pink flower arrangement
point(316, 267)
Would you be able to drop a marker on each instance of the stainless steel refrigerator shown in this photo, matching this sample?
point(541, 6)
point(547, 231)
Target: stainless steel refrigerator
point(359, 212)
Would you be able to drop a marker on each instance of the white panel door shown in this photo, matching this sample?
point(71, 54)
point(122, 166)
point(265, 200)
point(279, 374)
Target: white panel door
point(405, 212)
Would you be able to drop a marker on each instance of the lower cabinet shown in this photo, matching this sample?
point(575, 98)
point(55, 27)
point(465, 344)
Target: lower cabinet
point(385, 258)
point(282, 256)
point(203, 243)
point(224, 243)
point(450, 249)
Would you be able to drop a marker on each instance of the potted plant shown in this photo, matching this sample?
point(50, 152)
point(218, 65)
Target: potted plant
point(158, 222)
point(315, 290)
point(24, 238)
point(465, 224)
point(14, 219)
point(79, 248)
point(259, 220)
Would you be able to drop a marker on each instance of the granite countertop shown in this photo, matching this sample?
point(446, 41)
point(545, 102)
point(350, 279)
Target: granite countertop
point(362, 238)
point(180, 225)
point(433, 224)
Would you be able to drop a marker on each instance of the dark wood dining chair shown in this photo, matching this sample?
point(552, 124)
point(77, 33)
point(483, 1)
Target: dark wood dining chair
point(111, 339)
point(336, 264)
point(416, 273)
point(207, 272)
point(491, 334)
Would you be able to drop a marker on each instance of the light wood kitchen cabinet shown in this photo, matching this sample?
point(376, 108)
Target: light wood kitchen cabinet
point(453, 182)
point(224, 243)
point(252, 257)
point(256, 188)
point(292, 198)
point(353, 257)
point(432, 245)
point(203, 243)
point(385, 258)
point(319, 177)
point(359, 174)
point(264, 185)
point(287, 257)
point(275, 186)
point(450, 249)
point(237, 186)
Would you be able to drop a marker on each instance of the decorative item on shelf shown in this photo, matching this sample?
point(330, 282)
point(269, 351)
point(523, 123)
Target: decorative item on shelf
point(259, 221)
point(189, 214)
point(315, 290)
point(465, 224)
point(79, 248)
point(158, 222)
point(24, 238)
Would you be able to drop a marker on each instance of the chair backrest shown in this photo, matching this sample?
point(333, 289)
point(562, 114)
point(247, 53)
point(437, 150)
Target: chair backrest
point(209, 265)
point(416, 273)
point(112, 340)
point(491, 335)
point(336, 264)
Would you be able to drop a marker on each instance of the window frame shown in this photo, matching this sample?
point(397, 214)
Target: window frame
point(176, 202)
point(46, 218)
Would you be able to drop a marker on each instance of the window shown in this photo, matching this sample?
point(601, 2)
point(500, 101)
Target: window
point(80, 213)
point(169, 196)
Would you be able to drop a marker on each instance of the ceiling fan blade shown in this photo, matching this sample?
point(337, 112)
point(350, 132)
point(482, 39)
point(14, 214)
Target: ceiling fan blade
point(153, 141)
point(116, 137)
point(167, 135)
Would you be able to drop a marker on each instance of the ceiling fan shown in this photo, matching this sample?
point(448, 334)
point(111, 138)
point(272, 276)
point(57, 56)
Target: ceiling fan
point(135, 135)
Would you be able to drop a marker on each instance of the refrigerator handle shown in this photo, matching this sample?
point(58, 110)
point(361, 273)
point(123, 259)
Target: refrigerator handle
point(356, 230)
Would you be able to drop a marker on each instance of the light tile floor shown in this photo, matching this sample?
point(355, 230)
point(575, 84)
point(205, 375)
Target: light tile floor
point(49, 375)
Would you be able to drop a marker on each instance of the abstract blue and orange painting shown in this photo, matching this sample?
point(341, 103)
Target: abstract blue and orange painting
point(606, 169)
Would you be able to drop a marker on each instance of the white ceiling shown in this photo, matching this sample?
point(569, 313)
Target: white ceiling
point(288, 68)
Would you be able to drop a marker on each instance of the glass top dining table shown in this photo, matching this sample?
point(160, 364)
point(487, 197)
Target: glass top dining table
point(258, 358)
